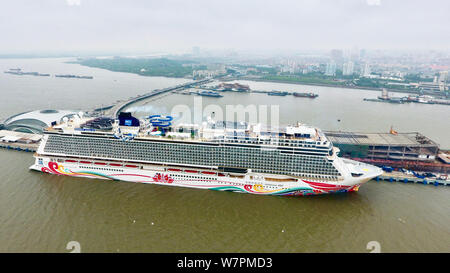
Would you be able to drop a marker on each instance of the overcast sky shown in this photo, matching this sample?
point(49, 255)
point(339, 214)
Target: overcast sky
point(35, 26)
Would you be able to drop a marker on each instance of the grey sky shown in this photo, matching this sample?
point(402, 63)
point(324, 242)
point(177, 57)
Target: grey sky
point(169, 25)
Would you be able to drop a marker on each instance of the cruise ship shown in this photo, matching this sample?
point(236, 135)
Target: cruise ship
point(295, 160)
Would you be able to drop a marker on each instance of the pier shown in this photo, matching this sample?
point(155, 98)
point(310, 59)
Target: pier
point(404, 178)
point(425, 99)
point(19, 141)
point(20, 146)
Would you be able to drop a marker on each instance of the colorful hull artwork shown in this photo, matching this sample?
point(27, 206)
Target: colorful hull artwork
point(218, 183)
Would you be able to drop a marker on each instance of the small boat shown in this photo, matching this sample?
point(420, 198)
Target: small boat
point(305, 95)
point(210, 94)
point(425, 99)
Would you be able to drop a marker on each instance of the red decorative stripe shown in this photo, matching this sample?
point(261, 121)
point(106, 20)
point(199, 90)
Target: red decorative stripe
point(85, 162)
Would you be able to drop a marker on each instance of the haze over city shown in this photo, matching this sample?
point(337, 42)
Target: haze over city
point(115, 27)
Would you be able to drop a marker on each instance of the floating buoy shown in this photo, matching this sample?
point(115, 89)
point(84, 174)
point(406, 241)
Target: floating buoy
point(436, 183)
point(405, 180)
point(391, 179)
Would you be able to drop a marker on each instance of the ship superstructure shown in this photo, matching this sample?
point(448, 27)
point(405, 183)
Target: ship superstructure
point(219, 155)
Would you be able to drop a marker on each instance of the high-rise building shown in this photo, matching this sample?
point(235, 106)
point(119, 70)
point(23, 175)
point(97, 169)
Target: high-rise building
point(443, 75)
point(337, 55)
point(331, 69)
point(365, 71)
point(347, 68)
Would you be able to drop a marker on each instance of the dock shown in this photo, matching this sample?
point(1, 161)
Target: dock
point(20, 147)
point(19, 141)
point(385, 97)
point(404, 178)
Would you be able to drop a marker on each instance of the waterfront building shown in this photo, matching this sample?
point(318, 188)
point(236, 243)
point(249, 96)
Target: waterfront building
point(403, 150)
point(443, 75)
point(36, 121)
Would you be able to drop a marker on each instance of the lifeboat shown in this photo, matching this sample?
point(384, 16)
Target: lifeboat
point(85, 162)
point(71, 161)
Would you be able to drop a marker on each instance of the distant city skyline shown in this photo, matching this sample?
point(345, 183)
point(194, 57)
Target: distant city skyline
point(100, 26)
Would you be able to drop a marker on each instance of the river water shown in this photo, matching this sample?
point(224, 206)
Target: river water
point(42, 213)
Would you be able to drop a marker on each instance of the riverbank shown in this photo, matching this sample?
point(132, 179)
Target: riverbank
point(337, 86)
point(160, 67)
point(180, 69)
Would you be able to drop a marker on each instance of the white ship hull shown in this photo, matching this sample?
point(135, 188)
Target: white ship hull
point(262, 184)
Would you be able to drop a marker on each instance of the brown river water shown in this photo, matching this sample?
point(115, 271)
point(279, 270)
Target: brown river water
point(42, 213)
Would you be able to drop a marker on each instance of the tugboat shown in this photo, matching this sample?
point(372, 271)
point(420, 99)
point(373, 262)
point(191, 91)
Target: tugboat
point(305, 95)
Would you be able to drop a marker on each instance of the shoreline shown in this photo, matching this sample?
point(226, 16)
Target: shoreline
point(338, 86)
point(284, 81)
